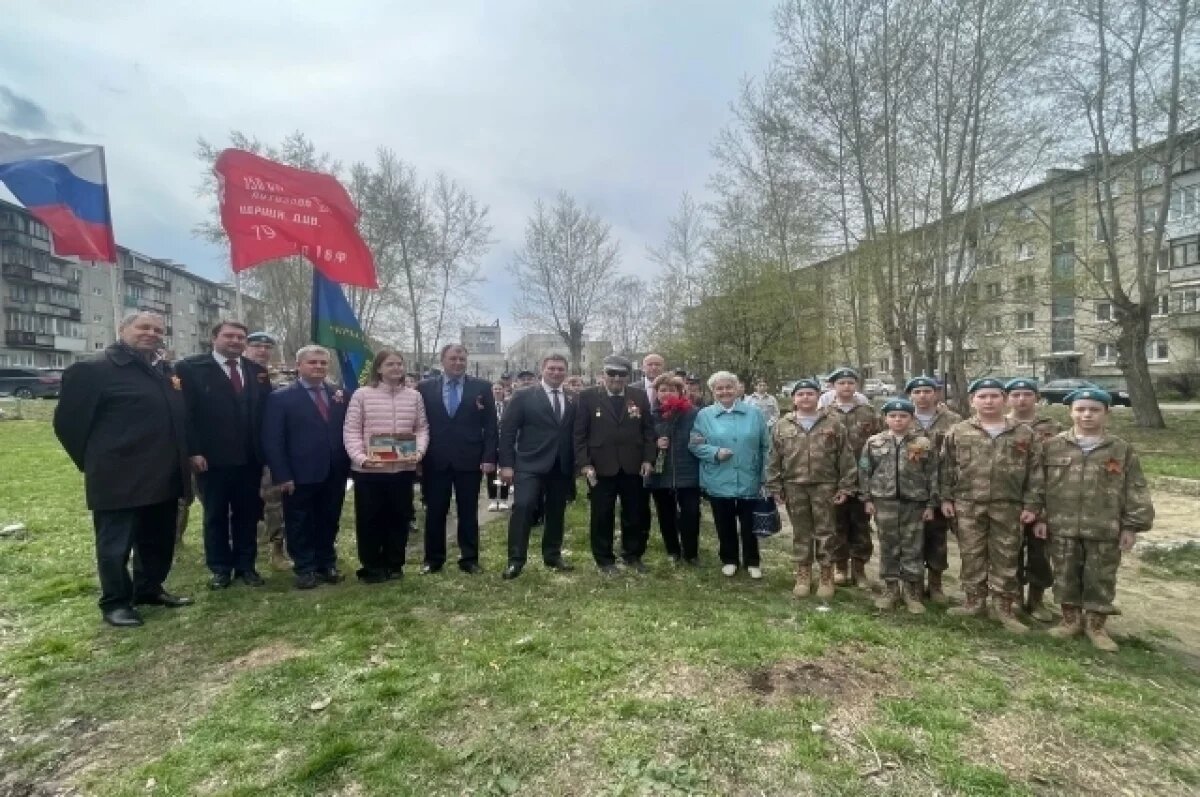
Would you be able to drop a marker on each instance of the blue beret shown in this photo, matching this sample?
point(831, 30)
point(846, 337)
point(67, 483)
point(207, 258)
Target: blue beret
point(844, 373)
point(260, 337)
point(1089, 393)
point(919, 381)
point(1021, 384)
point(898, 405)
point(525, 373)
point(985, 383)
point(806, 384)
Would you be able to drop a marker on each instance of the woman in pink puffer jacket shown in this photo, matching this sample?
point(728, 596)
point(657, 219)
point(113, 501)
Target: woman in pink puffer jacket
point(383, 477)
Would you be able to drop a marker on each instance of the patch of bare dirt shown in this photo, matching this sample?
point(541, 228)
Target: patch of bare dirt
point(265, 656)
point(835, 675)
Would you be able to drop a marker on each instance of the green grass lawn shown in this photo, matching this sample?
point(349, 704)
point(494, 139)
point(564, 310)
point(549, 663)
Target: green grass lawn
point(680, 682)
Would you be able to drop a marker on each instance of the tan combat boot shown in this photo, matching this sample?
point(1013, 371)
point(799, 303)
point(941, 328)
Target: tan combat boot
point(858, 572)
point(890, 596)
point(803, 581)
point(1094, 628)
point(935, 588)
point(841, 576)
point(278, 558)
point(1072, 623)
point(973, 606)
point(1002, 611)
point(1036, 607)
point(912, 598)
point(825, 585)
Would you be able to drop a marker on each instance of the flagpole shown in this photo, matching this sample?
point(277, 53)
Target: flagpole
point(237, 297)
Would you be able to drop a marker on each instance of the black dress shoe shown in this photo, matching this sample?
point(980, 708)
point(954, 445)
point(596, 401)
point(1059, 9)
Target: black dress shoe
point(123, 618)
point(428, 569)
point(512, 571)
point(560, 565)
point(395, 573)
point(164, 598)
point(330, 576)
point(609, 570)
point(471, 568)
point(372, 576)
point(251, 579)
point(638, 566)
point(306, 581)
point(693, 561)
point(220, 581)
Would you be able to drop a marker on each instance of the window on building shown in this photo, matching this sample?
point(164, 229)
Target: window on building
point(1024, 250)
point(1157, 351)
point(1187, 302)
point(1185, 202)
point(1099, 230)
point(1162, 304)
point(1026, 356)
point(1149, 217)
point(1024, 285)
point(1188, 159)
point(1151, 174)
point(991, 258)
point(972, 291)
point(1106, 354)
point(992, 290)
point(1185, 253)
point(1025, 321)
point(97, 292)
point(993, 358)
point(1062, 307)
point(991, 225)
point(885, 365)
point(1024, 213)
point(1104, 311)
point(97, 318)
point(993, 325)
point(1062, 335)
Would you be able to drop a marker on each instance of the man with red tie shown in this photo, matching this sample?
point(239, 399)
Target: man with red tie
point(225, 395)
point(303, 447)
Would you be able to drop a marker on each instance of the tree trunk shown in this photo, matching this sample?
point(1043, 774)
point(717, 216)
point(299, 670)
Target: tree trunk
point(1136, 369)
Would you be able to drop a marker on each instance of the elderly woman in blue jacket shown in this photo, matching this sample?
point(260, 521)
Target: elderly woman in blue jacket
point(731, 440)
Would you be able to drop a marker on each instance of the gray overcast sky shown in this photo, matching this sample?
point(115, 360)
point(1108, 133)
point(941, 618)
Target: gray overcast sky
point(616, 102)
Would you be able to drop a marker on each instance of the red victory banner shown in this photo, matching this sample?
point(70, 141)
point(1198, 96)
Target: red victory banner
point(271, 211)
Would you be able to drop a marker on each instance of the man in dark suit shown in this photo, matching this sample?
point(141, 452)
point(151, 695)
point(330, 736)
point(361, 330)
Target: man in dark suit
point(537, 456)
point(122, 420)
point(225, 395)
point(462, 446)
point(302, 443)
point(615, 449)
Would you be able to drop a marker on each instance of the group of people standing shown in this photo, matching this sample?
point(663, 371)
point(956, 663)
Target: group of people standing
point(1012, 486)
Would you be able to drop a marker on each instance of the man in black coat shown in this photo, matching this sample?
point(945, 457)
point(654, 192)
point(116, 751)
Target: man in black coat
point(122, 420)
point(615, 450)
point(537, 456)
point(462, 446)
point(225, 395)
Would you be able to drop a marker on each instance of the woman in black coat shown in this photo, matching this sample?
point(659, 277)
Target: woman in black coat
point(675, 483)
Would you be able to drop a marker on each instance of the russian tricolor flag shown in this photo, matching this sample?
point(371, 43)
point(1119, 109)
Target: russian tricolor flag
point(63, 185)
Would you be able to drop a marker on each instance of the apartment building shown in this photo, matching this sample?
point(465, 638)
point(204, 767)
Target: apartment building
point(59, 309)
point(1035, 283)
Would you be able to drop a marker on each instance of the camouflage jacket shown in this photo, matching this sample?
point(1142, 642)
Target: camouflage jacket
point(1043, 426)
point(860, 422)
point(899, 470)
point(943, 419)
point(1096, 495)
point(819, 456)
point(979, 469)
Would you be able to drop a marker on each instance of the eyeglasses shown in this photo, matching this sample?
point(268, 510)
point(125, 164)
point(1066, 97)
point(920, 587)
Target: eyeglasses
point(621, 374)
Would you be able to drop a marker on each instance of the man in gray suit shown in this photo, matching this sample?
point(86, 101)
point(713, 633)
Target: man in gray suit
point(537, 457)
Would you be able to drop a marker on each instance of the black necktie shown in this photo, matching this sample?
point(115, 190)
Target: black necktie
point(557, 405)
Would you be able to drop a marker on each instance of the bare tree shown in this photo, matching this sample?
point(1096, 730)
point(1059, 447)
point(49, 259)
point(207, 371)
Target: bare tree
point(628, 317)
point(682, 259)
point(565, 272)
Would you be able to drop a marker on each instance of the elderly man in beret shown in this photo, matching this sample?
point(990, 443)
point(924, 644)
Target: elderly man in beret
point(991, 483)
point(932, 420)
point(615, 451)
point(1033, 562)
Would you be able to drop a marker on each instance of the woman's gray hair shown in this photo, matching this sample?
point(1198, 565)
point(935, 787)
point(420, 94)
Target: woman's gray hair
point(722, 376)
point(313, 348)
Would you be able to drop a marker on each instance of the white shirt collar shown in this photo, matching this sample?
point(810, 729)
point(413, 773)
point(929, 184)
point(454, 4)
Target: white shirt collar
point(221, 359)
point(549, 390)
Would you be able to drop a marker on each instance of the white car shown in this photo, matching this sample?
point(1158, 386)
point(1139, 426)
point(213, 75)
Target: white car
point(874, 388)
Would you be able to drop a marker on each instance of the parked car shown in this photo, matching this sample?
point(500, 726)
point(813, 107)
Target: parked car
point(27, 383)
point(1054, 391)
point(876, 388)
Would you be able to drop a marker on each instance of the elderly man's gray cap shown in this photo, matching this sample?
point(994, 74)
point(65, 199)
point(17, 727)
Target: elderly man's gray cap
point(615, 362)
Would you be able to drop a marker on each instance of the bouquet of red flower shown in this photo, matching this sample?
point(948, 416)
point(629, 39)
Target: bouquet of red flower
point(670, 408)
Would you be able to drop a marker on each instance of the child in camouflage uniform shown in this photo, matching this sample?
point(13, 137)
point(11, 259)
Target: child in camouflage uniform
point(854, 546)
point(932, 420)
point(1096, 502)
point(1033, 561)
point(990, 483)
point(811, 470)
point(897, 476)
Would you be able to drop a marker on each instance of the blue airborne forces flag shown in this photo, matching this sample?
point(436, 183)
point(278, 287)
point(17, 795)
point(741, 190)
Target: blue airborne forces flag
point(335, 327)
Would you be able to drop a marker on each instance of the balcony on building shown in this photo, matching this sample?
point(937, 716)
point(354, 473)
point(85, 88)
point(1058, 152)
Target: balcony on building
point(146, 303)
point(134, 276)
point(16, 339)
point(37, 276)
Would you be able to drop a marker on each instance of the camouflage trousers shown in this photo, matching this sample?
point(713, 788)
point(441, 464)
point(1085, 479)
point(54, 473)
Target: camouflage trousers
point(853, 532)
point(1033, 562)
point(936, 556)
point(989, 539)
point(810, 509)
point(270, 528)
point(1086, 573)
point(901, 540)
